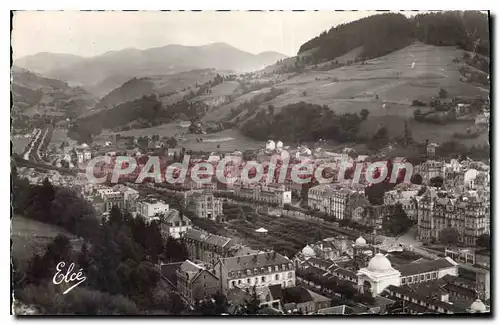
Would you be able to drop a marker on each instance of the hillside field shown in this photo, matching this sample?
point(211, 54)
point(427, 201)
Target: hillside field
point(31, 237)
point(415, 72)
point(228, 140)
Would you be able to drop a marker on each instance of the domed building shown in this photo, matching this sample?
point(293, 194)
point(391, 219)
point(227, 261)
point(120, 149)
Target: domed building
point(478, 307)
point(378, 275)
point(360, 241)
point(279, 145)
point(270, 145)
point(308, 251)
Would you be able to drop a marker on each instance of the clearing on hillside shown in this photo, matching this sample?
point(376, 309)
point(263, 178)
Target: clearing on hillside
point(31, 237)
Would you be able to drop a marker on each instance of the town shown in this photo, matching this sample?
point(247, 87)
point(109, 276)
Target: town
point(251, 169)
point(369, 252)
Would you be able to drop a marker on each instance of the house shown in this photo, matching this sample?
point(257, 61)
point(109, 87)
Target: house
point(173, 224)
point(207, 247)
point(204, 204)
point(260, 270)
point(149, 207)
point(461, 109)
point(303, 300)
point(195, 283)
point(431, 149)
point(113, 199)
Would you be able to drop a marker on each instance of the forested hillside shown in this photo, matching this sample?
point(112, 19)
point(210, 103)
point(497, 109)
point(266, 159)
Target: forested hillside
point(385, 33)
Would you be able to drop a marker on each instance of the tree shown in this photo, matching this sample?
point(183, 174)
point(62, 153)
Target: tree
point(398, 222)
point(252, 306)
point(484, 241)
point(436, 181)
point(175, 250)
point(416, 179)
point(449, 236)
point(443, 93)
point(176, 305)
point(171, 142)
point(364, 114)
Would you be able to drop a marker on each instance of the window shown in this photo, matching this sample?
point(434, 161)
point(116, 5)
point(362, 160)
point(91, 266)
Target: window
point(277, 277)
point(403, 280)
point(248, 280)
point(256, 280)
point(239, 281)
point(289, 275)
point(276, 268)
point(233, 283)
point(427, 276)
point(415, 278)
point(263, 279)
point(421, 277)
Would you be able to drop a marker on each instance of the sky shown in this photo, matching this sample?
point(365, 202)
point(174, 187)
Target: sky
point(93, 33)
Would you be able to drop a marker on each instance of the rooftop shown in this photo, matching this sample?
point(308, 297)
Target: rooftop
point(263, 259)
point(424, 267)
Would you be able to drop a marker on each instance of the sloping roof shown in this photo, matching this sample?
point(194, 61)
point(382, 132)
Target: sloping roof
point(237, 296)
point(297, 295)
point(169, 271)
point(424, 267)
point(188, 266)
point(202, 236)
point(407, 291)
point(317, 297)
point(173, 215)
point(276, 291)
point(269, 311)
point(336, 310)
point(263, 259)
point(323, 264)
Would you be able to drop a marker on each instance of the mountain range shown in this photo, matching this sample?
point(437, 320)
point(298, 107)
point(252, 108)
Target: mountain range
point(102, 73)
point(33, 93)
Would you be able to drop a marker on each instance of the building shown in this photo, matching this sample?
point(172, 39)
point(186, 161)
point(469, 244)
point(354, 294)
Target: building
point(466, 256)
point(430, 169)
point(149, 207)
point(130, 196)
point(173, 224)
point(195, 283)
point(467, 214)
point(303, 301)
point(204, 204)
point(318, 197)
point(208, 248)
point(113, 199)
point(418, 272)
point(461, 109)
point(333, 200)
point(414, 302)
point(405, 198)
point(276, 194)
point(377, 276)
point(260, 270)
point(431, 149)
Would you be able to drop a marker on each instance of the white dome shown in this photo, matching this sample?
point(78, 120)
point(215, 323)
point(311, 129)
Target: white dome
point(379, 263)
point(477, 306)
point(308, 251)
point(270, 145)
point(360, 241)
